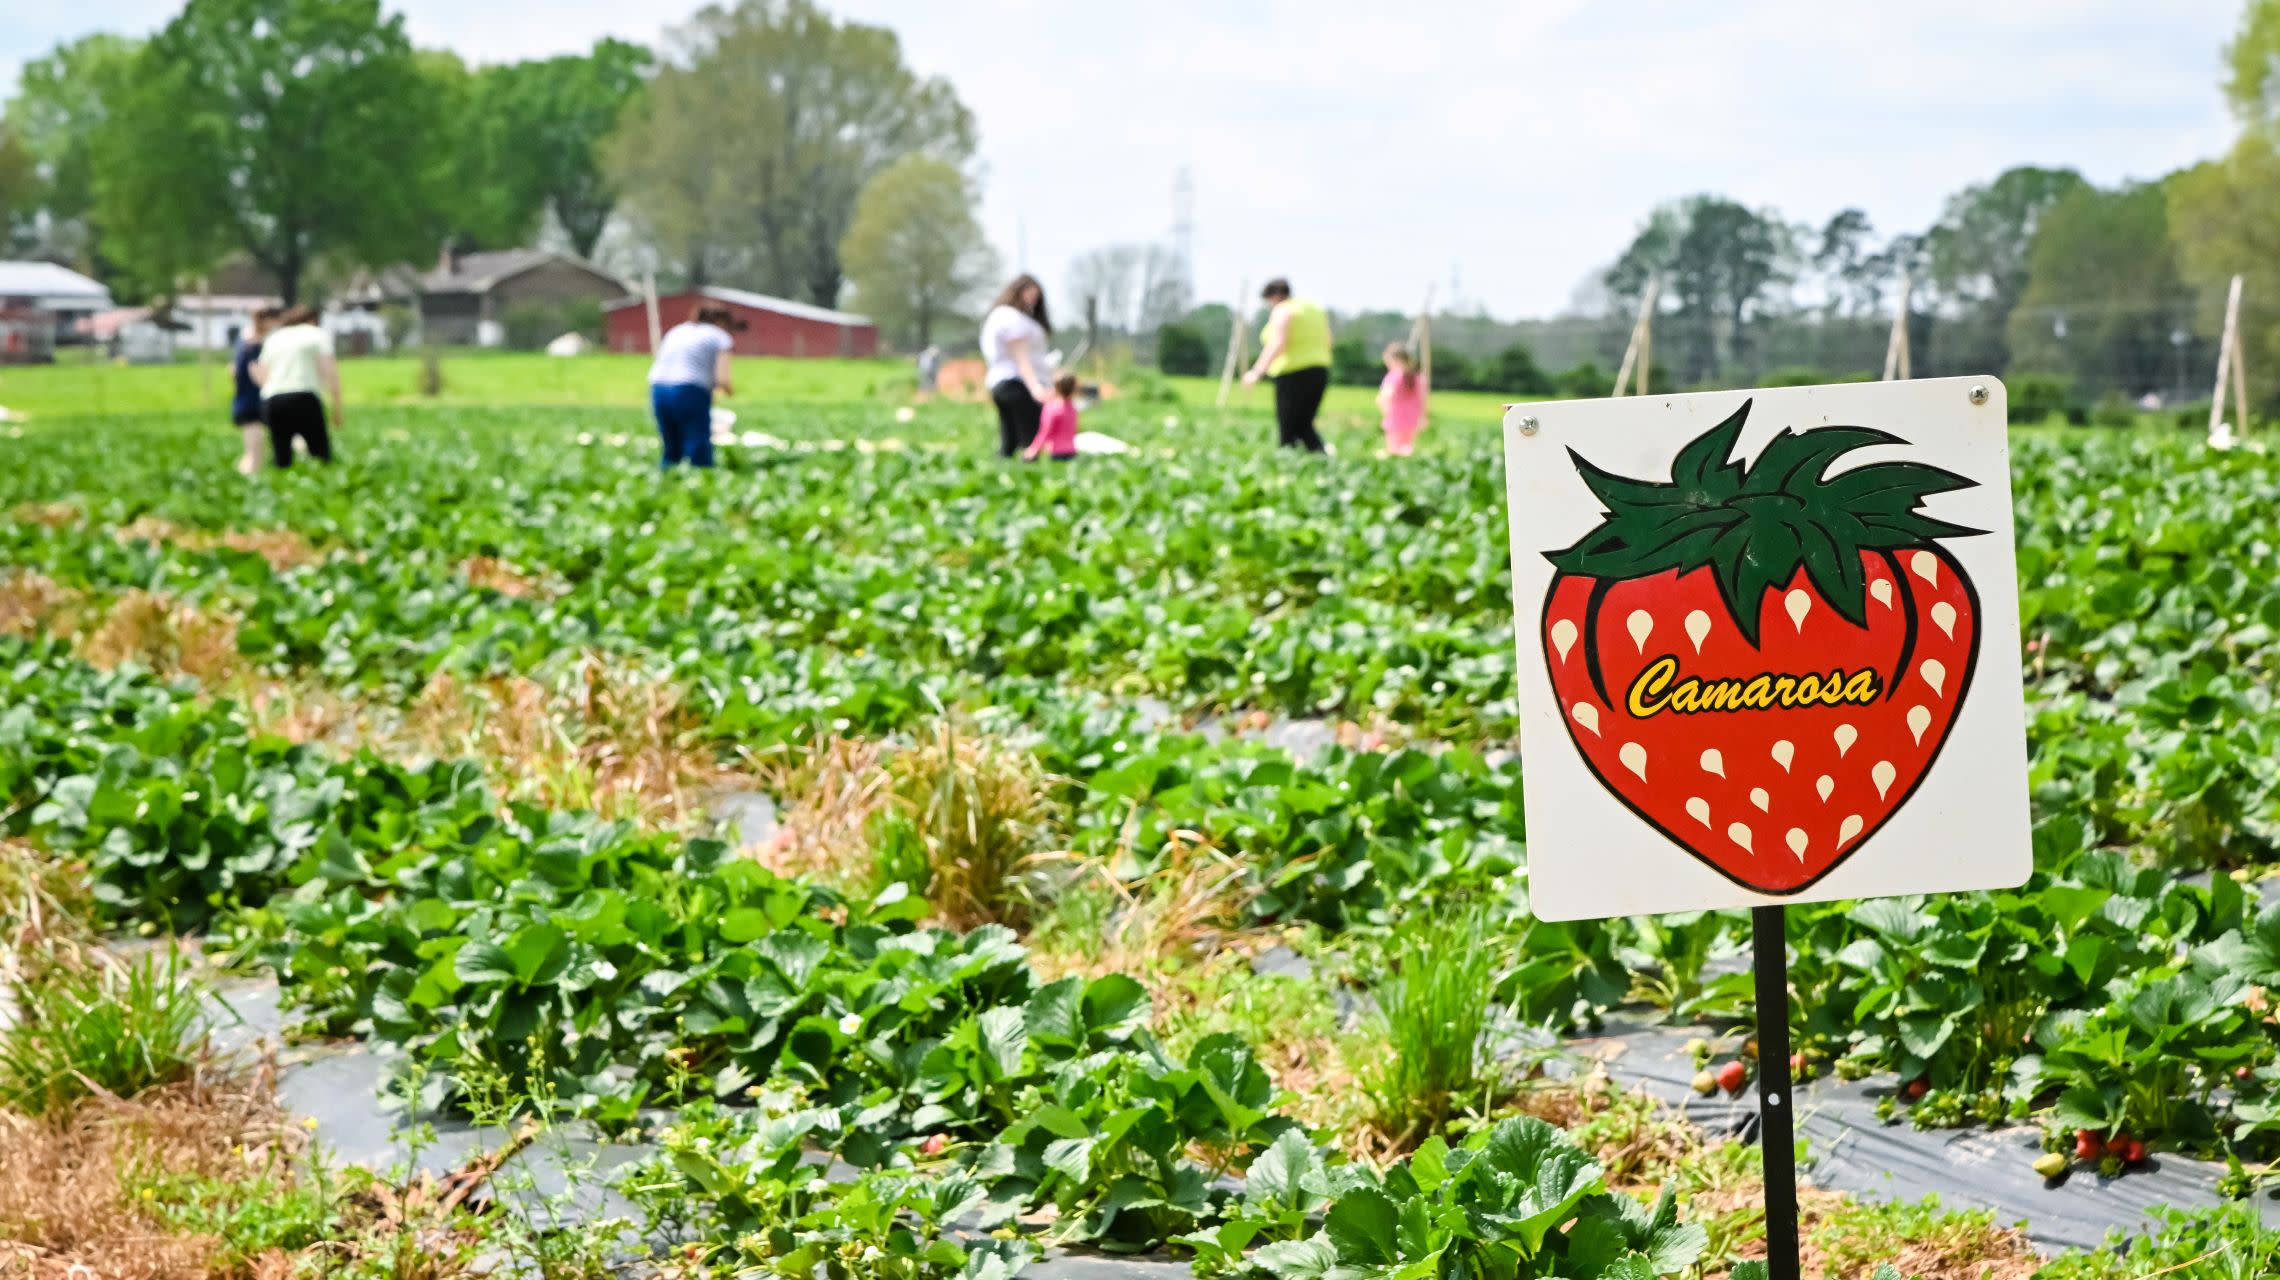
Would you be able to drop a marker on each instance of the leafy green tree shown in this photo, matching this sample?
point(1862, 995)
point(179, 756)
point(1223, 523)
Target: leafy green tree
point(915, 252)
point(1719, 260)
point(1181, 349)
point(61, 101)
point(290, 129)
point(1978, 254)
point(19, 184)
point(749, 151)
point(530, 139)
point(2220, 215)
point(1516, 372)
point(2252, 62)
point(2099, 258)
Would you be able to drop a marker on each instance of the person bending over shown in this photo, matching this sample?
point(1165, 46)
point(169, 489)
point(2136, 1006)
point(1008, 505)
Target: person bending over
point(1294, 350)
point(691, 367)
point(296, 365)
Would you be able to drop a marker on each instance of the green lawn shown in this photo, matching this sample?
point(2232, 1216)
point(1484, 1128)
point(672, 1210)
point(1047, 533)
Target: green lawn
point(505, 379)
point(469, 378)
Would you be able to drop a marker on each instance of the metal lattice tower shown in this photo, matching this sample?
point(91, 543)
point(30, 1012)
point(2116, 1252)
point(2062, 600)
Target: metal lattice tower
point(1183, 230)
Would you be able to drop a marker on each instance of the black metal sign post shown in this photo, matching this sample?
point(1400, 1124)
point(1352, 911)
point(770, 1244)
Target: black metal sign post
point(1777, 1124)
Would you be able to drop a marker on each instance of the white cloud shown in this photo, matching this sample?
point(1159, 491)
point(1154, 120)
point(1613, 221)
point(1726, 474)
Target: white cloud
point(1365, 148)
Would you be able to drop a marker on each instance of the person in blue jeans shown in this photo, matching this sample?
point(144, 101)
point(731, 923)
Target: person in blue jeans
point(691, 367)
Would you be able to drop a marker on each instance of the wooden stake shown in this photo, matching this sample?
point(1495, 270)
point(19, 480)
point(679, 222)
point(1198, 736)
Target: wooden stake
point(1234, 343)
point(2227, 363)
point(649, 297)
point(205, 333)
point(1642, 339)
point(1421, 338)
point(1896, 349)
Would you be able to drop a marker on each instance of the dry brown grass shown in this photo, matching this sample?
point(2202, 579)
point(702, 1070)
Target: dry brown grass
point(32, 603)
point(67, 1208)
point(597, 739)
point(1643, 1144)
point(977, 812)
point(43, 899)
point(171, 638)
point(494, 574)
point(835, 791)
point(282, 548)
point(48, 515)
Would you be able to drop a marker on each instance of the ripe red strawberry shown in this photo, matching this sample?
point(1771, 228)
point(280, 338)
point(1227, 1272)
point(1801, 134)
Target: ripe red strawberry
point(1732, 1076)
point(2088, 1145)
point(1764, 661)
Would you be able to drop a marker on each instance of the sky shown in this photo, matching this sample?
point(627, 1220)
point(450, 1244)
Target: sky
point(1500, 151)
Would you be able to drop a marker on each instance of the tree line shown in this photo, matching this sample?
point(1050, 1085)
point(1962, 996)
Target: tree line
point(764, 144)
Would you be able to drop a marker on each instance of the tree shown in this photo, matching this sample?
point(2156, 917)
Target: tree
point(19, 184)
point(2253, 64)
point(1181, 349)
point(915, 251)
point(1136, 288)
point(1978, 253)
point(2220, 215)
point(532, 133)
point(289, 129)
point(2100, 269)
point(61, 101)
point(757, 135)
point(1516, 372)
point(1719, 259)
point(1853, 277)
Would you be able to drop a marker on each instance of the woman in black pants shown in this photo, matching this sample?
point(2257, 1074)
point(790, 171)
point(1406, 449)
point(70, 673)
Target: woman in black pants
point(1014, 338)
point(296, 371)
point(1295, 352)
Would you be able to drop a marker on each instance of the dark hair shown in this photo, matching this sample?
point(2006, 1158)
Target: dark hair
point(300, 313)
point(1277, 289)
point(1010, 296)
point(715, 314)
point(1066, 384)
point(267, 313)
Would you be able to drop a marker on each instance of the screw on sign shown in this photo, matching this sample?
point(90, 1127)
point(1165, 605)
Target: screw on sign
point(1768, 654)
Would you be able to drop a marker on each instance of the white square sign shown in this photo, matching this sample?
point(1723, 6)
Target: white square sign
point(1769, 647)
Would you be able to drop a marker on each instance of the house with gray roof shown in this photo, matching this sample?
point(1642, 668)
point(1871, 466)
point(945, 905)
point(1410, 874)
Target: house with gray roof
point(465, 301)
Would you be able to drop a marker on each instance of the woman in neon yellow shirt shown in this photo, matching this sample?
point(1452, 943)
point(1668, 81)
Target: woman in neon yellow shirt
point(1294, 350)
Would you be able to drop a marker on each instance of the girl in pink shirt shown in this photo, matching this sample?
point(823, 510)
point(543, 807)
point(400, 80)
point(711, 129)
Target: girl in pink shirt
point(1401, 401)
point(1057, 432)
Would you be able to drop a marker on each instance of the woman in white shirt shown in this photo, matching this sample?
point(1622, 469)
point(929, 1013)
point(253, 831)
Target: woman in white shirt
point(1014, 337)
point(296, 363)
point(692, 365)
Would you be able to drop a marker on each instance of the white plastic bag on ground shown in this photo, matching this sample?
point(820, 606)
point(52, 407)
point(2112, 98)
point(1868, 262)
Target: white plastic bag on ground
point(1095, 442)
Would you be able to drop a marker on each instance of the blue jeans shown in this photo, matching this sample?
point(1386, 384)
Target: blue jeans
point(684, 421)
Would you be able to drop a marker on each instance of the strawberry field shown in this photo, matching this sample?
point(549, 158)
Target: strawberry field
point(1125, 855)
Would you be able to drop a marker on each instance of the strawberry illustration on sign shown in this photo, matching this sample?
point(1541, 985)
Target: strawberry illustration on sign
point(1764, 661)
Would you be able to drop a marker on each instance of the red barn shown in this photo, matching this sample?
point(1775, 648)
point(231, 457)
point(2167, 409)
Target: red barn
point(772, 326)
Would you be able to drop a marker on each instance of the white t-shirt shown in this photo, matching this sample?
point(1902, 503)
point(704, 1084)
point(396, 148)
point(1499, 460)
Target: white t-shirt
point(1002, 327)
point(687, 353)
point(291, 357)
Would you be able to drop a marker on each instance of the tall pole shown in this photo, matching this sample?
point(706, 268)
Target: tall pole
point(649, 299)
point(1896, 349)
point(2226, 358)
point(1777, 1123)
point(1234, 344)
point(1641, 339)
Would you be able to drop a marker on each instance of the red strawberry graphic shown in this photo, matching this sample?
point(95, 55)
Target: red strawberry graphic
point(1763, 662)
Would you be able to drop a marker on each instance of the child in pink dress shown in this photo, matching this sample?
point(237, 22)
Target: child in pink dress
point(1401, 401)
point(1057, 430)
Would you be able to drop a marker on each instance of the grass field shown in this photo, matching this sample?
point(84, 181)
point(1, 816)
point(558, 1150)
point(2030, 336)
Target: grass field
point(505, 379)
